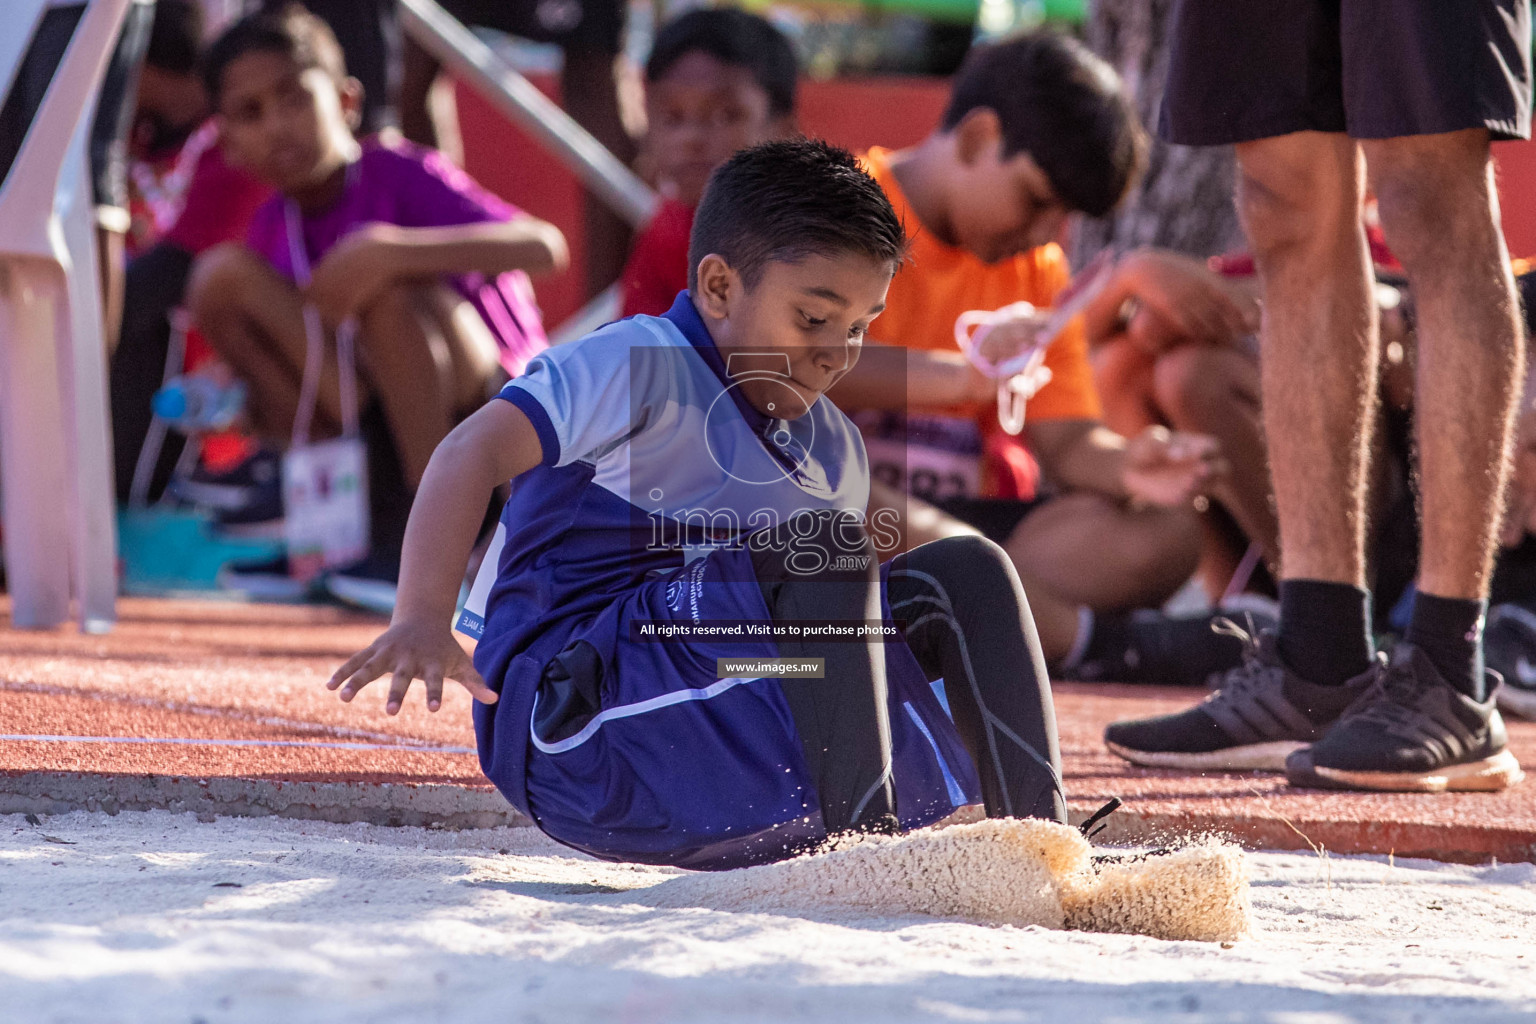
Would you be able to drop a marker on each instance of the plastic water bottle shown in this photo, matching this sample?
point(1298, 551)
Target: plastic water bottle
point(193, 404)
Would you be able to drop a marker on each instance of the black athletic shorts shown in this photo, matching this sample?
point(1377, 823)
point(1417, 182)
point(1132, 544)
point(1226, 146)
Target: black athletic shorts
point(577, 26)
point(1240, 70)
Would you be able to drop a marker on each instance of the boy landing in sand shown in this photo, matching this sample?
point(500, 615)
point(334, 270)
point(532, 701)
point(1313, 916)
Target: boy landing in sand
point(684, 473)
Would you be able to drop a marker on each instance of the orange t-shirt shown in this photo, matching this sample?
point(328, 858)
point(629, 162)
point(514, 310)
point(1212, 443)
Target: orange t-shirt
point(938, 283)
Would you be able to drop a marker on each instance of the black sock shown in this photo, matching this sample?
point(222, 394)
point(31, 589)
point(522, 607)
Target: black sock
point(1449, 631)
point(1325, 630)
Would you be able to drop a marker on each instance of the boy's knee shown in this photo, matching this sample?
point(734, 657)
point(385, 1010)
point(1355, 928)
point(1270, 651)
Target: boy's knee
point(973, 561)
point(1189, 383)
point(216, 278)
point(1168, 544)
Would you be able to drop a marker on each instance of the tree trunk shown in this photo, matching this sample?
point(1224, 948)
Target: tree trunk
point(1184, 199)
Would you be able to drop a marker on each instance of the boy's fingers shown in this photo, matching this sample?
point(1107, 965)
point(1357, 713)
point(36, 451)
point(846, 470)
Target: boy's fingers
point(471, 681)
point(348, 667)
point(398, 685)
point(432, 676)
point(370, 670)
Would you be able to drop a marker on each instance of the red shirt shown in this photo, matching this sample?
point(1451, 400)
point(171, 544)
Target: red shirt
point(658, 264)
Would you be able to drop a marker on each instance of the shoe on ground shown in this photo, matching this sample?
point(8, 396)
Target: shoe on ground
point(370, 584)
point(1413, 732)
point(1261, 713)
point(1509, 644)
point(268, 580)
point(1185, 650)
point(245, 501)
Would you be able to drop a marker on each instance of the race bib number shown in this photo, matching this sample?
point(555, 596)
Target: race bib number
point(936, 458)
point(325, 495)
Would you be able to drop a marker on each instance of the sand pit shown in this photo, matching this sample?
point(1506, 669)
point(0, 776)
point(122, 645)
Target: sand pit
point(151, 917)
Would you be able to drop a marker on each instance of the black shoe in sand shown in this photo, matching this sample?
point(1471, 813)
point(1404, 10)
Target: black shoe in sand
point(1414, 732)
point(1262, 713)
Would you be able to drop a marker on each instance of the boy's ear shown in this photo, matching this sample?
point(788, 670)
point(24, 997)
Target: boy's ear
point(351, 92)
point(715, 287)
point(978, 132)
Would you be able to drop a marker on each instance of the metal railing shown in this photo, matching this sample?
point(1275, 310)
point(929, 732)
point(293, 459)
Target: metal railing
point(472, 61)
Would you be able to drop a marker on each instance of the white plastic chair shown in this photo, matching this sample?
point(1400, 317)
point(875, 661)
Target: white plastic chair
point(55, 444)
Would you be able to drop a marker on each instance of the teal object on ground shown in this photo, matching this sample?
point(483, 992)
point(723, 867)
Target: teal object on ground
point(168, 551)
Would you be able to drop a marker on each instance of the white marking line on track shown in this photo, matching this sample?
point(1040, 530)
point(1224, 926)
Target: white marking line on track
point(183, 707)
point(194, 742)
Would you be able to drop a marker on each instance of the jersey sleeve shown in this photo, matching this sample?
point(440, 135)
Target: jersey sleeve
point(1071, 394)
point(583, 397)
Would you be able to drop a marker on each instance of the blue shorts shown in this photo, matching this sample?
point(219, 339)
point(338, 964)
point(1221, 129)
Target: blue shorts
point(679, 767)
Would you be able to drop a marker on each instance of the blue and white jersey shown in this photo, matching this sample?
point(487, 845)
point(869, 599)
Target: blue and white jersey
point(651, 458)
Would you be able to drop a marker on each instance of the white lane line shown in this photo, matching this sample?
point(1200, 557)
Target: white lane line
point(193, 742)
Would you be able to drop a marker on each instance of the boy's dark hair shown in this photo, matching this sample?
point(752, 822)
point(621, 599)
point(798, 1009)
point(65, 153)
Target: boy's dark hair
point(1063, 106)
point(286, 29)
point(784, 201)
point(176, 40)
point(735, 38)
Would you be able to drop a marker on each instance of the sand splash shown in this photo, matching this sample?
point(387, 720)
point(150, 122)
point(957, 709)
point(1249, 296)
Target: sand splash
point(1001, 872)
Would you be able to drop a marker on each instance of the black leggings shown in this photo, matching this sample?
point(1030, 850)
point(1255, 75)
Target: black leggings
point(966, 621)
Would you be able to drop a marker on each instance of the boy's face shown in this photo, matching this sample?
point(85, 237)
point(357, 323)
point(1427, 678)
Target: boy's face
point(801, 327)
point(999, 206)
point(287, 125)
point(699, 113)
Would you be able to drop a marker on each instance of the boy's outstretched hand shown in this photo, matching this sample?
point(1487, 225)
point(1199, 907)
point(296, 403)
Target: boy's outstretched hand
point(1170, 469)
point(408, 651)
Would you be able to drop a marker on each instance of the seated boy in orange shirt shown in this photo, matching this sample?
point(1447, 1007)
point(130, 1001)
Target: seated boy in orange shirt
point(1036, 128)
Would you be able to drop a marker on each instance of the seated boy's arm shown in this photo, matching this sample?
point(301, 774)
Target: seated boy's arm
point(491, 247)
point(1156, 467)
point(895, 378)
point(365, 262)
point(495, 444)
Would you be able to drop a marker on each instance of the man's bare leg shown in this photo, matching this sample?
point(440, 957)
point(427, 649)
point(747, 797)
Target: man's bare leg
point(1439, 211)
point(1300, 198)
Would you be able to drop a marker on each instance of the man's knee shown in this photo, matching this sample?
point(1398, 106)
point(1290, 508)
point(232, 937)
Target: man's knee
point(1434, 193)
point(1297, 191)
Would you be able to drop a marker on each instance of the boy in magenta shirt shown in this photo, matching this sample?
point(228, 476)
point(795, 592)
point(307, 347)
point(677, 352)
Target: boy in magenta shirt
point(432, 269)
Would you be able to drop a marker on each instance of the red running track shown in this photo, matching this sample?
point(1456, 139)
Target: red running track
point(236, 691)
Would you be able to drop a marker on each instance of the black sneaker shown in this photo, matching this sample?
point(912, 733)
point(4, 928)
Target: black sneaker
point(246, 501)
point(1509, 644)
point(1414, 732)
point(1167, 650)
point(1262, 713)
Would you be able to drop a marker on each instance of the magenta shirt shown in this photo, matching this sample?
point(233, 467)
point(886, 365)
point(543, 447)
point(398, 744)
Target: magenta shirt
point(395, 182)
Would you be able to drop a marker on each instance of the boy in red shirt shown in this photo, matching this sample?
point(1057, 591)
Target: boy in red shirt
point(718, 80)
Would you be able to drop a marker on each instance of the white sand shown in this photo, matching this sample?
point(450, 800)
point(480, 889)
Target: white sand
point(358, 923)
